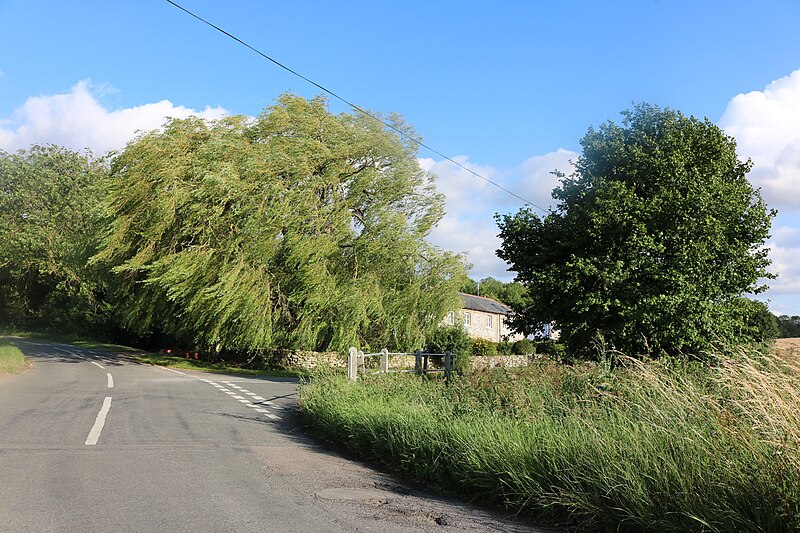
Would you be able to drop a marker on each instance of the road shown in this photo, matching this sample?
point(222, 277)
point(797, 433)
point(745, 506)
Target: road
point(97, 442)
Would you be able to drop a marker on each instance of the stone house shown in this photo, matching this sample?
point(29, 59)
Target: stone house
point(483, 318)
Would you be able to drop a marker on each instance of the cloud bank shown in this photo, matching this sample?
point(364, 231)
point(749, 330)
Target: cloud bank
point(77, 120)
point(766, 126)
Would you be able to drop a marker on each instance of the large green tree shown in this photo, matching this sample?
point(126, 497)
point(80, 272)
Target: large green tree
point(299, 229)
point(49, 200)
point(653, 239)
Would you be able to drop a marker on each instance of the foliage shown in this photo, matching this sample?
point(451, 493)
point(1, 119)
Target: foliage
point(645, 447)
point(453, 339)
point(523, 347)
point(49, 222)
point(788, 326)
point(300, 229)
point(654, 238)
point(513, 293)
point(505, 348)
point(756, 321)
point(483, 347)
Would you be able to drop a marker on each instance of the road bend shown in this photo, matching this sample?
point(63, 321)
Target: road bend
point(97, 442)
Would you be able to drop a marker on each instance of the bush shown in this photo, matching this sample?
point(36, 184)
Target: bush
point(505, 348)
point(455, 340)
point(553, 349)
point(483, 347)
point(523, 347)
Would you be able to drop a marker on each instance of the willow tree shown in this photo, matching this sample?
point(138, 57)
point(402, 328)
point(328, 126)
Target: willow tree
point(299, 229)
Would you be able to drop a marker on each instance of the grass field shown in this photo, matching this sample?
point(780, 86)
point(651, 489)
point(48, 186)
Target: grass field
point(11, 359)
point(644, 447)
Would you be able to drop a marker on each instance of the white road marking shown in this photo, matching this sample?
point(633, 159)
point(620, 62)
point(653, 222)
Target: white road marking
point(110, 381)
point(99, 422)
point(174, 371)
point(96, 363)
point(240, 390)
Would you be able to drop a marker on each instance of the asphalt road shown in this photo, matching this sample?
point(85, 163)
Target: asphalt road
point(96, 442)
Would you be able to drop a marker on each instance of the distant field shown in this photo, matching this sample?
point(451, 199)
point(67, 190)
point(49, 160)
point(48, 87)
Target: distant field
point(788, 349)
point(11, 359)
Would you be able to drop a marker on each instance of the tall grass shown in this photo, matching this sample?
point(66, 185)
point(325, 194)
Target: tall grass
point(11, 359)
point(647, 446)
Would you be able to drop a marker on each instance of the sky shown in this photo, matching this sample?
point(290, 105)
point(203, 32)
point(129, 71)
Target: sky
point(505, 88)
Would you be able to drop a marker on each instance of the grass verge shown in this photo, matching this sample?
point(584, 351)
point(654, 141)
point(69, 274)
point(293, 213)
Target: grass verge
point(11, 359)
point(646, 447)
point(174, 361)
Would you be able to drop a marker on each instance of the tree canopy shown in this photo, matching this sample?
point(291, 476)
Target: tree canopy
point(49, 217)
point(299, 229)
point(654, 238)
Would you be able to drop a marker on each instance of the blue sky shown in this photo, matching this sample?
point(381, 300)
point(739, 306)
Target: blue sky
point(506, 88)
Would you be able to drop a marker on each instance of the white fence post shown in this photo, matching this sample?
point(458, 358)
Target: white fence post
point(384, 360)
point(360, 361)
point(352, 364)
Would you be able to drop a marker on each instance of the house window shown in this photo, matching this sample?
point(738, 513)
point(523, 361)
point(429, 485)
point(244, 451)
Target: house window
point(451, 317)
point(467, 319)
point(489, 322)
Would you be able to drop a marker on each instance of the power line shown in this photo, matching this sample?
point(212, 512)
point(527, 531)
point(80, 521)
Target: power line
point(354, 106)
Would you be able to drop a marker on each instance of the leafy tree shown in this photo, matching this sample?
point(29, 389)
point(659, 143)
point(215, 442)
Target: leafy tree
point(48, 223)
point(652, 241)
point(513, 293)
point(788, 326)
point(300, 229)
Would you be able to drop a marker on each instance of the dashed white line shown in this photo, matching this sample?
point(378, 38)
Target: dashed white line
point(96, 363)
point(110, 381)
point(99, 422)
point(258, 407)
point(174, 371)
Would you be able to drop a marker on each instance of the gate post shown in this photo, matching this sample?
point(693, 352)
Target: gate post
point(448, 365)
point(384, 360)
point(418, 361)
point(352, 364)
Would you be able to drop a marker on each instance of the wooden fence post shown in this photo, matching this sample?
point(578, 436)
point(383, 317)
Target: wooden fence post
point(352, 364)
point(418, 361)
point(448, 365)
point(384, 360)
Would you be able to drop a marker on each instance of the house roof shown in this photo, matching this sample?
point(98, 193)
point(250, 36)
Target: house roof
point(481, 303)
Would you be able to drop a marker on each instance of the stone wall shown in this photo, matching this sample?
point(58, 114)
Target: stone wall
point(305, 359)
point(505, 361)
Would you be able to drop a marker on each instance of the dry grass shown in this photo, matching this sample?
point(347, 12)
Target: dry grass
point(787, 349)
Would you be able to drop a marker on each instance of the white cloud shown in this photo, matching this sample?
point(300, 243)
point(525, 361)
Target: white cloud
point(538, 181)
point(468, 225)
point(766, 126)
point(784, 252)
point(78, 120)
